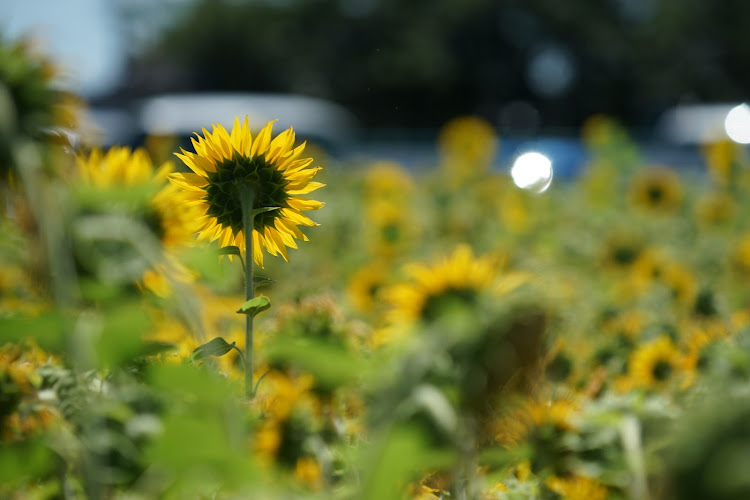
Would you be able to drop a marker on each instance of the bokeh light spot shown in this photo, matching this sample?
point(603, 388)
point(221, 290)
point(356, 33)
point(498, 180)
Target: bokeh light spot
point(737, 124)
point(532, 171)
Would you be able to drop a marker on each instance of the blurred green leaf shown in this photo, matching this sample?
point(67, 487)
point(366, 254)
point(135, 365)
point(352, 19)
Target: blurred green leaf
point(122, 331)
point(215, 347)
point(401, 456)
point(190, 383)
point(121, 198)
point(49, 329)
point(255, 306)
point(24, 460)
point(329, 363)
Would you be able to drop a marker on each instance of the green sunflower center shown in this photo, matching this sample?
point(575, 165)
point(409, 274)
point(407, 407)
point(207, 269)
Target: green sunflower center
point(232, 177)
point(153, 219)
point(662, 370)
point(438, 304)
point(655, 194)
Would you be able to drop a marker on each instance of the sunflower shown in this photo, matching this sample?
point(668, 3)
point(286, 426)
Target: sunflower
point(32, 105)
point(228, 165)
point(577, 488)
point(621, 250)
point(119, 180)
point(721, 158)
point(714, 209)
point(657, 189)
point(390, 231)
point(365, 286)
point(457, 279)
point(468, 145)
point(654, 364)
point(519, 423)
point(389, 181)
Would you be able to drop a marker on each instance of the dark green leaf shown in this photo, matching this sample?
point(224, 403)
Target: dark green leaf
point(255, 306)
point(230, 250)
point(261, 210)
point(215, 347)
point(262, 281)
point(330, 364)
point(49, 329)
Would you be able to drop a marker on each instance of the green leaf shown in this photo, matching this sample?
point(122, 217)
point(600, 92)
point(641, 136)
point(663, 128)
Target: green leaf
point(261, 210)
point(215, 347)
point(262, 281)
point(255, 306)
point(330, 364)
point(230, 250)
point(23, 461)
point(49, 329)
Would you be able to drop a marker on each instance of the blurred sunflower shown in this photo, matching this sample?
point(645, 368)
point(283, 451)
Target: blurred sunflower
point(127, 181)
point(229, 166)
point(721, 157)
point(656, 189)
point(521, 422)
point(515, 211)
point(390, 229)
point(621, 250)
point(577, 488)
point(365, 286)
point(715, 208)
point(459, 279)
point(387, 180)
point(307, 471)
point(655, 364)
point(468, 145)
point(741, 253)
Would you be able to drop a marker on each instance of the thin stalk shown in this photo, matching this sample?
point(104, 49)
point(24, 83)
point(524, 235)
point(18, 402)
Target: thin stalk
point(248, 219)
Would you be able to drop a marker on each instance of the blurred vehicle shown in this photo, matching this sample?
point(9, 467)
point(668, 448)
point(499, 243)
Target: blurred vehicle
point(694, 124)
point(324, 123)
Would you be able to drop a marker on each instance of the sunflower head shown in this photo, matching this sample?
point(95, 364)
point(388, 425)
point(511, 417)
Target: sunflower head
point(126, 182)
point(229, 168)
point(468, 145)
point(458, 279)
point(655, 364)
point(657, 189)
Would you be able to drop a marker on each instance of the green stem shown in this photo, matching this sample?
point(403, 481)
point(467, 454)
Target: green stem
point(248, 218)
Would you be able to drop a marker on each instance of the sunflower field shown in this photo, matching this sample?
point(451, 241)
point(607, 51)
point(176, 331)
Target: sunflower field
point(247, 318)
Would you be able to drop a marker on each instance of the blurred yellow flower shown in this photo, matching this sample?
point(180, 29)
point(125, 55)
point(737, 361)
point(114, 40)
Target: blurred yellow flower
point(657, 189)
point(458, 278)
point(655, 364)
point(307, 471)
point(513, 427)
point(165, 211)
point(366, 284)
point(226, 166)
point(391, 230)
point(468, 145)
point(577, 488)
point(388, 181)
point(714, 209)
point(721, 157)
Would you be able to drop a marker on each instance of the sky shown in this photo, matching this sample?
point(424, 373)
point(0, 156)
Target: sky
point(83, 36)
